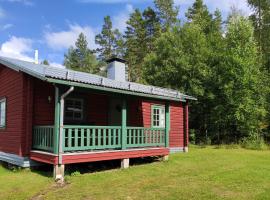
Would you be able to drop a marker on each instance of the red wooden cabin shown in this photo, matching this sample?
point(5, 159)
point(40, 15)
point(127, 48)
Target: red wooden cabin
point(59, 116)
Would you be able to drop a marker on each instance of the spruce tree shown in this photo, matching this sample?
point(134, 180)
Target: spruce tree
point(81, 58)
point(110, 41)
point(135, 44)
point(200, 15)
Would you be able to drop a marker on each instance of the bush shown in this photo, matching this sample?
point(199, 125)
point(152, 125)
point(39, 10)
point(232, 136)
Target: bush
point(227, 146)
point(254, 142)
point(192, 136)
point(76, 173)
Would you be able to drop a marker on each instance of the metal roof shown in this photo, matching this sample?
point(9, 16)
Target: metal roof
point(46, 73)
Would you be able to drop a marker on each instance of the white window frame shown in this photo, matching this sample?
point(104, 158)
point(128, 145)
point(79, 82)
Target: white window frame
point(74, 110)
point(3, 104)
point(158, 115)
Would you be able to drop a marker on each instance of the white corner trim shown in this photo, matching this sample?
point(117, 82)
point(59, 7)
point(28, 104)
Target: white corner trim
point(16, 160)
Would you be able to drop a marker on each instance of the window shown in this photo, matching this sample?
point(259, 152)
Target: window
point(74, 109)
point(158, 116)
point(2, 113)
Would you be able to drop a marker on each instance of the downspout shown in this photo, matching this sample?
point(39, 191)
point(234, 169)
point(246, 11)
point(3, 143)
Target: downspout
point(62, 106)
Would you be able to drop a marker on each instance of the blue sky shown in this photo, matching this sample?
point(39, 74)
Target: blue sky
point(51, 26)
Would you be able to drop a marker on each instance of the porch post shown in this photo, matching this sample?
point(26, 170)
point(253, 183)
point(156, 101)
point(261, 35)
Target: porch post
point(56, 121)
point(124, 124)
point(167, 123)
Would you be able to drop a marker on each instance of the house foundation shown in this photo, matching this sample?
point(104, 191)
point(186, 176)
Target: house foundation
point(125, 163)
point(165, 158)
point(59, 172)
point(186, 149)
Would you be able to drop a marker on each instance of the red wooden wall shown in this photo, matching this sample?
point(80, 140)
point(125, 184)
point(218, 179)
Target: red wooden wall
point(97, 109)
point(13, 86)
point(43, 113)
point(177, 125)
point(176, 138)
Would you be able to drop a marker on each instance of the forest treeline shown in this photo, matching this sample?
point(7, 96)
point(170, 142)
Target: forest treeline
point(224, 63)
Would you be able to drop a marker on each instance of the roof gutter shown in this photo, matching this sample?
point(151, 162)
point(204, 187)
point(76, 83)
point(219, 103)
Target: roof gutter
point(62, 105)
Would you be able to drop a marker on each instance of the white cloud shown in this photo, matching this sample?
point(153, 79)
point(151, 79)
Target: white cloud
point(6, 26)
point(223, 5)
point(64, 39)
point(54, 64)
point(119, 21)
point(17, 47)
point(2, 13)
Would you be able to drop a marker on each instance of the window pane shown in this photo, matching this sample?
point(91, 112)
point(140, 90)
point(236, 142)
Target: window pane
point(162, 118)
point(77, 115)
point(158, 116)
point(69, 114)
point(162, 123)
point(69, 102)
point(78, 104)
point(2, 113)
point(74, 109)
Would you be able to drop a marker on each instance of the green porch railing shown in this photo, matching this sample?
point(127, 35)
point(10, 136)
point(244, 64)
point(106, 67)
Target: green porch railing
point(145, 137)
point(43, 138)
point(91, 137)
point(83, 138)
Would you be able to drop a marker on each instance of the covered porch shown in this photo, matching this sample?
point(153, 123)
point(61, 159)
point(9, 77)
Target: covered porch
point(115, 131)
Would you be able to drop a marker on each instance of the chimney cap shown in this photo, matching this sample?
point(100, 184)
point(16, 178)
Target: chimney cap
point(116, 59)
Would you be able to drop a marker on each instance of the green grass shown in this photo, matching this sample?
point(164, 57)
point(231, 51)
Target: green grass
point(21, 184)
point(203, 173)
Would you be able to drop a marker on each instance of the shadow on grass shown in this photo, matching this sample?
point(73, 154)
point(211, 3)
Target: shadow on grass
point(46, 170)
point(82, 168)
point(43, 170)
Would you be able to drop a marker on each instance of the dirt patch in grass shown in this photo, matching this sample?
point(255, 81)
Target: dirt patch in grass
point(53, 188)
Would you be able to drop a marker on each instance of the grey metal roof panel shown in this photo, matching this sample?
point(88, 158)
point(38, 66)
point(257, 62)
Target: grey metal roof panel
point(45, 71)
point(84, 78)
point(55, 72)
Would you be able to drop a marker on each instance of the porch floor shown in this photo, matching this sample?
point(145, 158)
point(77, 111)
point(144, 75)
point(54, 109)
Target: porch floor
point(97, 155)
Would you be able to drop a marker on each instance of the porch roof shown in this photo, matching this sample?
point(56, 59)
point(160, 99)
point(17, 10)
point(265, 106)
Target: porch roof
point(86, 80)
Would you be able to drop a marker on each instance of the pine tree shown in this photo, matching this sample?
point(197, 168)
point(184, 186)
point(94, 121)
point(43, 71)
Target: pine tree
point(135, 44)
point(81, 58)
point(152, 26)
point(110, 41)
point(167, 13)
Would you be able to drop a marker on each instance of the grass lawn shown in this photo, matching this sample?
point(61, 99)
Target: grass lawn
point(203, 173)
